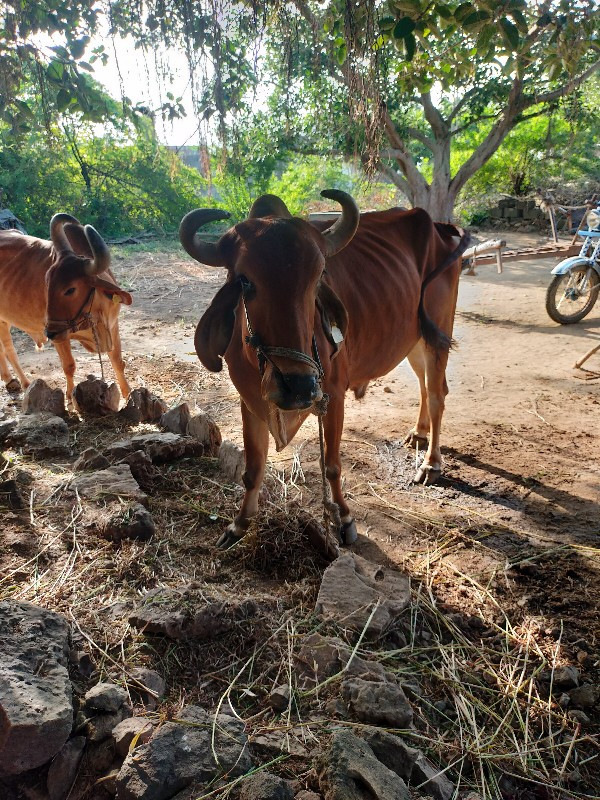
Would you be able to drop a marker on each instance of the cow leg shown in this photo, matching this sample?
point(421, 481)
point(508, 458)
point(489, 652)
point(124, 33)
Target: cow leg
point(256, 446)
point(116, 359)
point(417, 437)
point(333, 425)
point(437, 389)
point(9, 354)
point(68, 364)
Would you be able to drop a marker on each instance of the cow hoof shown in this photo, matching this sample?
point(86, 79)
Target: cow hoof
point(427, 475)
point(416, 441)
point(348, 532)
point(228, 538)
point(13, 385)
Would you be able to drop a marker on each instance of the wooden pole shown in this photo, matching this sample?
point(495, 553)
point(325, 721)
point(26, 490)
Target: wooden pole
point(578, 364)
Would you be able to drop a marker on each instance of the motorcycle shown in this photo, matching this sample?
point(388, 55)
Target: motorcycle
point(574, 289)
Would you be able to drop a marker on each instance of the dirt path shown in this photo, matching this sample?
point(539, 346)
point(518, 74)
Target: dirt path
point(521, 436)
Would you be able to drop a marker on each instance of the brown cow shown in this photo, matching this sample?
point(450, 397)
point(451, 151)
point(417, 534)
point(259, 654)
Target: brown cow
point(61, 289)
point(383, 283)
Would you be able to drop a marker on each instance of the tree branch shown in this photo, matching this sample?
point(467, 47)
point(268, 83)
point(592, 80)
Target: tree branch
point(462, 102)
point(397, 179)
point(556, 94)
point(438, 124)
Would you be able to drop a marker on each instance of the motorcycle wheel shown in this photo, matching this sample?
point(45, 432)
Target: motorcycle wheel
point(564, 303)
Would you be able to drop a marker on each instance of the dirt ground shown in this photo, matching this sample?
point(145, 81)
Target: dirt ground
point(516, 519)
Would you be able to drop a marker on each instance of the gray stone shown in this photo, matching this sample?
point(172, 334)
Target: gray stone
point(305, 794)
point(181, 753)
point(40, 397)
point(100, 756)
point(579, 716)
point(410, 764)
point(279, 699)
point(377, 702)
point(116, 481)
point(41, 435)
point(6, 429)
point(63, 769)
point(188, 614)
point(321, 657)
point(165, 447)
point(10, 495)
point(585, 696)
point(176, 419)
point(150, 679)
point(100, 726)
point(104, 697)
point(143, 406)
point(350, 771)
point(127, 730)
point(142, 469)
point(352, 587)
point(205, 430)
point(562, 678)
point(134, 522)
point(264, 785)
point(232, 461)
point(95, 397)
point(36, 711)
point(91, 459)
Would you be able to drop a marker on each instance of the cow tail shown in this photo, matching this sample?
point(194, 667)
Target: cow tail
point(435, 338)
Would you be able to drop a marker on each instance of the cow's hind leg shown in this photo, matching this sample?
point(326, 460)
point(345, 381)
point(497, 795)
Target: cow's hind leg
point(256, 446)
point(9, 354)
point(333, 425)
point(430, 366)
point(418, 436)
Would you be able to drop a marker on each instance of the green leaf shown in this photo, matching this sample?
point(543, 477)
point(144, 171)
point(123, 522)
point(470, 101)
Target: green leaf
point(410, 46)
point(475, 19)
point(24, 109)
point(463, 10)
point(55, 70)
point(78, 46)
point(444, 11)
point(404, 27)
point(510, 33)
point(387, 23)
point(341, 54)
point(63, 98)
point(519, 18)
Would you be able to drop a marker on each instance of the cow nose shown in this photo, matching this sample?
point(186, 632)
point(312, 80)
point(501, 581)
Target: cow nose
point(50, 335)
point(295, 391)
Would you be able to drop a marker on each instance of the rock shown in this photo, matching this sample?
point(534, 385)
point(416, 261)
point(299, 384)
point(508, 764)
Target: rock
point(306, 795)
point(109, 781)
point(104, 697)
point(165, 447)
point(351, 587)
point(129, 729)
point(143, 406)
point(142, 469)
point(100, 726)
point(116, 481)
point(6, 429)
point(232, 461)
point(180, 754)
point(272, 743)
point(264, 785)
point(10, 496)
point(152, 681)
point(40, 397)
point(579, 716)
point(321, 657)
point(91, 459)
point(279, 699)
point(205, 430)
point(176, 419)
point(134, 522)
point(63, 769)
point(377, 702)
point(100, 756)
point(95, 397)
point(409, 763)
point(187, 614)
point(585, 696)
point(563, 677)
point(350, 771)
point(41, 435)
point(36, 711)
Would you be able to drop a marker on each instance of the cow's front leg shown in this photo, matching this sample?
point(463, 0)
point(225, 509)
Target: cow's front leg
point(63, 348)
point(256, 447)
point(333, 425)
point(116, 359)
point(9, 354)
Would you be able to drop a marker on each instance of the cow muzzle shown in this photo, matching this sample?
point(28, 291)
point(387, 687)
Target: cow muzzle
point(294, 391)
point(56, 336)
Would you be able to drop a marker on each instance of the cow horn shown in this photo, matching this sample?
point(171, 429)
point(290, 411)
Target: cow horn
point(204, 252)
point(342, 231)
point(57, 235)
point(268, 205)
point(101, 260)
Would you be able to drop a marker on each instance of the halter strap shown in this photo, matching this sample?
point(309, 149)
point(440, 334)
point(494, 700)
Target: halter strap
point(73, 325)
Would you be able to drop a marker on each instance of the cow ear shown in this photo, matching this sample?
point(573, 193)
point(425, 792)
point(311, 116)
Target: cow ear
point(112, 289)
point(78, 240)
point(334, 316)
point(215, 328)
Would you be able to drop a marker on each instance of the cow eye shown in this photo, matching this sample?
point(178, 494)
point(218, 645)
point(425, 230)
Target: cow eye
point(70, 291)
